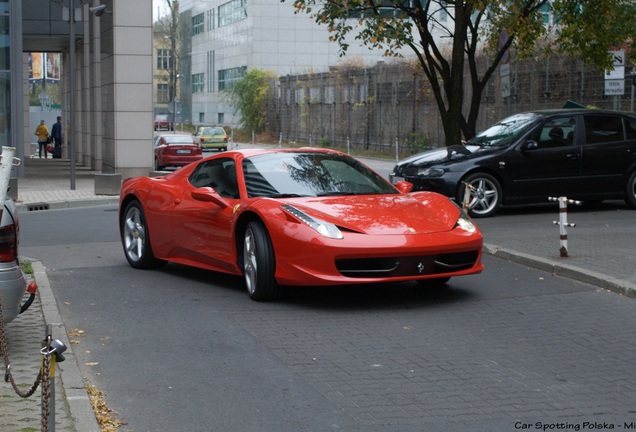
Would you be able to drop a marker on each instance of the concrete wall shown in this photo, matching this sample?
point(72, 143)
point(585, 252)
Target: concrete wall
point(112, 79)
point(127, 71)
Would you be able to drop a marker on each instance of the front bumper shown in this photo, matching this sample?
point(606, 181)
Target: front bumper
point(213, 145)
point(359, 258)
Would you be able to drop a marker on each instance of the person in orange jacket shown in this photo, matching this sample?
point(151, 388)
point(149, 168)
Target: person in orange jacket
point(42, 133)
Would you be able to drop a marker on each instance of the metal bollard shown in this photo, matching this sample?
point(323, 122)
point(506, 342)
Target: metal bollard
point(467, 193)
point(563, 222)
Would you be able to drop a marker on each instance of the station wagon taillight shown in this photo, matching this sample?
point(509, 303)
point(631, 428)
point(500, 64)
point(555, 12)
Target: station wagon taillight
point(8, 243)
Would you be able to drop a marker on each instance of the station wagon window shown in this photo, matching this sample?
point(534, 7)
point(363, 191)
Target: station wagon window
point(630, 128)
point(603, 128)
point(557, 132)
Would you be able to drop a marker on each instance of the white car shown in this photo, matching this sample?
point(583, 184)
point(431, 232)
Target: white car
point(13, 283)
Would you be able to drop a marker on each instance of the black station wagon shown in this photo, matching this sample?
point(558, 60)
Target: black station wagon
point(587, 155)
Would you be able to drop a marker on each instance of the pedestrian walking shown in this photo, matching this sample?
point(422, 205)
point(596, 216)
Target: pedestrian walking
point(56, 134)
point(42, 133)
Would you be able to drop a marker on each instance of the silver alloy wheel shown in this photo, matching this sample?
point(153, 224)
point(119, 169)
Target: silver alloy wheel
point(484, 196)
point(630, 197)
point(134, 234)
point(250, 266)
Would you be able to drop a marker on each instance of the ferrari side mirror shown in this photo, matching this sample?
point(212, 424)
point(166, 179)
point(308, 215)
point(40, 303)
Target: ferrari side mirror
point(207, 194)
point(404, 186)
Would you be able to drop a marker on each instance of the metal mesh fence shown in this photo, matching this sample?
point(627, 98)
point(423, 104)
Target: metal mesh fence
point(390, 108)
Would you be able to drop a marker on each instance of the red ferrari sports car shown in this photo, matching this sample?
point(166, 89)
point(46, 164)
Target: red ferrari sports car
point(295, 217)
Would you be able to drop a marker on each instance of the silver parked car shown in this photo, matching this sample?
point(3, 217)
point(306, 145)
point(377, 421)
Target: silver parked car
point(13, 283)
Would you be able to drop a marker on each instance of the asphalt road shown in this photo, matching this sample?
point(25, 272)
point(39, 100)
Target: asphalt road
point(185, 349)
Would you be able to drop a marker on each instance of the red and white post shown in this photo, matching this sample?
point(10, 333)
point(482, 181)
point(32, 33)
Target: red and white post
point(563, 222)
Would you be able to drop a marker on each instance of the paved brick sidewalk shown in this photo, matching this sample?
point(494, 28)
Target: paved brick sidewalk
point(601, 254)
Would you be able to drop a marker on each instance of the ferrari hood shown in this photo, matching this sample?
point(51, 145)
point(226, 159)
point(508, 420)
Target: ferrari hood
point(384, 214)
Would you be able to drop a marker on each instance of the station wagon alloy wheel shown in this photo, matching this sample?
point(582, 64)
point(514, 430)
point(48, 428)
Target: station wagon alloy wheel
point(630, 197)
point(485, 195)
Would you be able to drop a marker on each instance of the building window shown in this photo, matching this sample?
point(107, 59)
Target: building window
point(163, 58)
point(231, 12)
point(201, 117)
point(545, 14)
point(330, 95)
point(163, 93)
point(221, 118)
point(197, 83)
point(197, 24)
point(383, 8)
point(314, 95)
point(227, 77)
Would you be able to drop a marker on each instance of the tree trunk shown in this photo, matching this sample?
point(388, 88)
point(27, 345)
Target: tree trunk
point(452, 118)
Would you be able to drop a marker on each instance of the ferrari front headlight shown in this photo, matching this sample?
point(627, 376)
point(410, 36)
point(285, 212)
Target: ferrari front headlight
point(326, 229)
point(465, 223)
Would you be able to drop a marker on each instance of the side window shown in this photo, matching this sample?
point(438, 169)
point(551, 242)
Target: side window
point(556, 133)
point(219, 174)
point(630, 128)
point(603, 128)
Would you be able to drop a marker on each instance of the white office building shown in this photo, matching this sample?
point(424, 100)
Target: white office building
point(228, 38)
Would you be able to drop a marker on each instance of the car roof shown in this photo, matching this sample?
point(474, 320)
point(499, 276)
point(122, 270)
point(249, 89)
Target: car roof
point(575, 111)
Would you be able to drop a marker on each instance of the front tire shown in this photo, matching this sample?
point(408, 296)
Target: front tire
point(135, 238)
point(259, 263)
point(485, 195)
point(630, 190)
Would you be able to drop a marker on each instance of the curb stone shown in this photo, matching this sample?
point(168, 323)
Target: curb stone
point(77, 398)
point(618, 286)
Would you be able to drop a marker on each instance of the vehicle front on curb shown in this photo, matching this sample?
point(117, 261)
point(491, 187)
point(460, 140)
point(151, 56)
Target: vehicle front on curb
point(212, 138)
point(162, 122)
point(175, 150)
point(587, 155)
point(295, 217)
point(13, 283)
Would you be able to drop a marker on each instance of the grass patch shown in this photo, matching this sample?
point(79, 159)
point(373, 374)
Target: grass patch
point(27, 266)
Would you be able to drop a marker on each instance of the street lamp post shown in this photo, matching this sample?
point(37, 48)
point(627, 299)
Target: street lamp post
point(71, 105)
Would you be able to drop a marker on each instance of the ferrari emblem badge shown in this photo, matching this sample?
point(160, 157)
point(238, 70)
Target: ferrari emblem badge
point(420, 267)
point(236, 207)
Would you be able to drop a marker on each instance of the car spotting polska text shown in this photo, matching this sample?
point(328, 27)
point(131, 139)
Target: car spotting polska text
point(582, 426)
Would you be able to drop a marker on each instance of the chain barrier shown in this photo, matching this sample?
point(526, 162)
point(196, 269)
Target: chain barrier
point(44, 376)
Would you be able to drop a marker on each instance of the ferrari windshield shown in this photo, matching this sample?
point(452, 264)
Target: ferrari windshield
point(505, 131)
point(286, 174)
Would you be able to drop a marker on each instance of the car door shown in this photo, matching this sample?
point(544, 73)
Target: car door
point(203, 230)
point(608, 150)
point(547, 162)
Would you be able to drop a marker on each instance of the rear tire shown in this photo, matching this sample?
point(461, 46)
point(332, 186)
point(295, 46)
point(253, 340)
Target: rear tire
point(135, 238)
point(485, 197)
point(259, 263)
point(630, 190)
